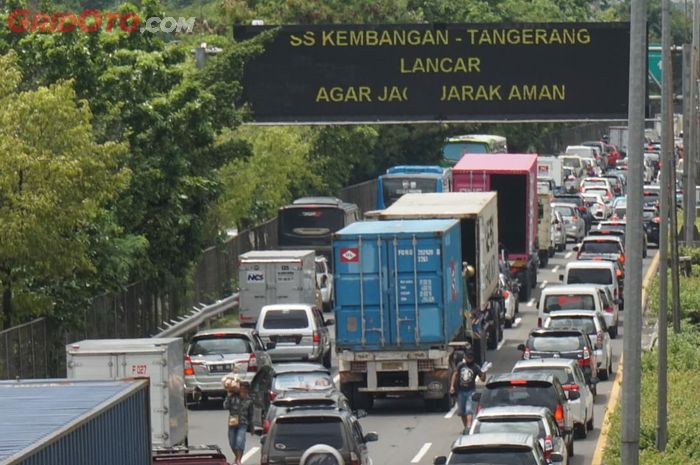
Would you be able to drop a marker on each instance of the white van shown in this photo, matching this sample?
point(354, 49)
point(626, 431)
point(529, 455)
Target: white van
point(270, 277)
point(570, 297)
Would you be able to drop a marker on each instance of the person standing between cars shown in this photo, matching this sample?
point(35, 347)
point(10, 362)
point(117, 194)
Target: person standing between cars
point(464, 384)
point(240, 417)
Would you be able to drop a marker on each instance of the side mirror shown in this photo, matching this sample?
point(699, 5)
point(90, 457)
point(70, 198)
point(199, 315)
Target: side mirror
point(573, 395)
point(521, 347)
point(371, 437)
point(330, 322)
point(561, 277)
point(359, 413)
point(270, 345)
point(556, 457)
point(476, 397)
point(441, 460)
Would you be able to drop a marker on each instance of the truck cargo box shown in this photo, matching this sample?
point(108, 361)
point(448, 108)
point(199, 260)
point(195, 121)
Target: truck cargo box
point(160, 359)
point(268, 277)
point(398, 284)
point(478, 215)
point(61, 422)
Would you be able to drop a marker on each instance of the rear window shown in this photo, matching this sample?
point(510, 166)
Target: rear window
point(555, 344)
point(602, 246)
point(564, 211)
point(286, 319)
point(216, 345)
point(585, 324)
point(302, 381)
point(569, 302)
point(495, 456)
point(537, 395)
point(564, 375)
point(298, 434)
point(532, 426)
point(589, 276)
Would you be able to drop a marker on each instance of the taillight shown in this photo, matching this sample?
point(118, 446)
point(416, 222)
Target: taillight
point(266, 426)
point(559, 415)
point(622, 258)
point(316, 337)
point(570, 387)
point(586, 360)
point(526, 354)
point(354, 459)
point(548, 447)
point(188, 371)
point(618, 273)
point(252, 362)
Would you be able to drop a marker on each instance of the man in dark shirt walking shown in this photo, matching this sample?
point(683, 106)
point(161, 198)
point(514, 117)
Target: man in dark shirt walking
point(464, 384)
point(240, 418)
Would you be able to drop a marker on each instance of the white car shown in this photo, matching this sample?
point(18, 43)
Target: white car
point(572, 379)
point(324, 279)
point(597, 206)
point(592, 323)
point(510, 300)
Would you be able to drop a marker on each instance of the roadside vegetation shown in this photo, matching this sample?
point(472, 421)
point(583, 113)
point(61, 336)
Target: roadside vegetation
point(683, 379)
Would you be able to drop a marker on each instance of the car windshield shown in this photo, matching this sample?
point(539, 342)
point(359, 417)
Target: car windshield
point(299, 433)
point(285, 319)
point(538, 395)
point(596, 191)
point(563, 374)
point(394, 187)
point(454, 150)
point(583, 323)
point(600, 246)
point(572, 162)
point(569, 302)
point(531, 426)
point(494, 456)
point(565, 211)
point(590, 183)
point(589, 276)
point(302, 381)
point(218, 345)
point(554, 343)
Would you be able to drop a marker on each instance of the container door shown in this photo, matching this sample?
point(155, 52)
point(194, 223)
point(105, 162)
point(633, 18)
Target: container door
point(287, 283)
point(415, 291)
point(253, 281)
point(93, 366)
point(361, 293)
point(154, 366)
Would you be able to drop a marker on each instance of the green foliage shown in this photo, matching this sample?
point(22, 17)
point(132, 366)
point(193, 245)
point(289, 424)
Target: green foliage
point(689, 293)
point(278, 170)
point(53, 190)
point(683, 378)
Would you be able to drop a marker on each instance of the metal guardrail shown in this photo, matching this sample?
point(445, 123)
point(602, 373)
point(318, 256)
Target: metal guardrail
point(197, 317)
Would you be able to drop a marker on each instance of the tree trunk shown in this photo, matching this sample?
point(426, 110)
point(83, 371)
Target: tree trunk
point(7, 304)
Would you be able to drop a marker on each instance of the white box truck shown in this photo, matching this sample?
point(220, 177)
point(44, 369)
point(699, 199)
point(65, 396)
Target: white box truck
point(550, 168)
point(160, 359)
point(267, 277)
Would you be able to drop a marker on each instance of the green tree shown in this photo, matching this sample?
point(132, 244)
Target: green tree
point(55, 182)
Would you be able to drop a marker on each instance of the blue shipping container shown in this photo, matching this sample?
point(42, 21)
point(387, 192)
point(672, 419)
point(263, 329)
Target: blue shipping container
point(398, 284)
point(68, 422)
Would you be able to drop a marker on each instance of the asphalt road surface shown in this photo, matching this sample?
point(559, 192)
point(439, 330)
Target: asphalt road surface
point(408, 434)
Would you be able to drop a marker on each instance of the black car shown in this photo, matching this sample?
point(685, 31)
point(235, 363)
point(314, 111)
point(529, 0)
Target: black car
point(535, 389)
point(307, 399)
point(651, 220)
point(562, 343)
point(579, 201)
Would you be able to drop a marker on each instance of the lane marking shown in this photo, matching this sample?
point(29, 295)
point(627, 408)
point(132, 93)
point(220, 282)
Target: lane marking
point(452, 412)
point(517, 322)
point(336, 379)
point(250, 453)
point(421, 452)
point(544, 284)
point(500, 344)
point(568, 255)
point(531, 302)
point(555, 269)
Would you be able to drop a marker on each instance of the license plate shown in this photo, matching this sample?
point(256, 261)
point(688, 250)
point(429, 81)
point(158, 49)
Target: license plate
point(292, 339)
point(220, 368)
point(392, 366)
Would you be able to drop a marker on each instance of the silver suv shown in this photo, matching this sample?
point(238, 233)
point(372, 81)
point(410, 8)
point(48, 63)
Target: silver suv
point(214, 352)
point(298, 332)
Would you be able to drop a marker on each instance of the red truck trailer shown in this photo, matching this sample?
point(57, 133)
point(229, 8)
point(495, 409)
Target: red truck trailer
point(514, 177)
